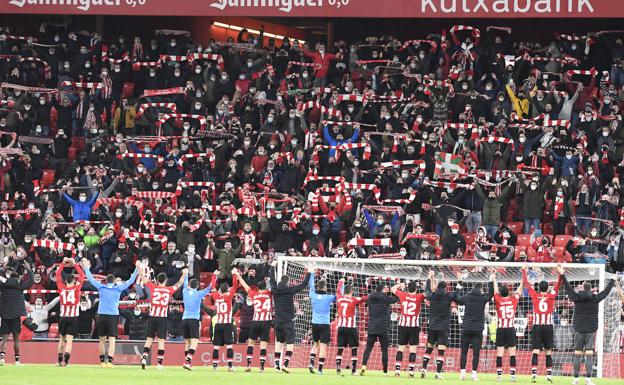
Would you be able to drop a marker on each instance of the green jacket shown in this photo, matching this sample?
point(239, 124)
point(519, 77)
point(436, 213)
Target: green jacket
point(225, 259)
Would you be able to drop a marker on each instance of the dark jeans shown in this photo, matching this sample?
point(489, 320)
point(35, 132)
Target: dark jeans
point(383, 342)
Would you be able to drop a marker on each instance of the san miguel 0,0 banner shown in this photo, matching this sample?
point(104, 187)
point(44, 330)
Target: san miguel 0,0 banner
point(324, 8)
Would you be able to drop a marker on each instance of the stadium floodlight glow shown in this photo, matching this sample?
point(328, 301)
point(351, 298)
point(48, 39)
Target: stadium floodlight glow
point(252, 31)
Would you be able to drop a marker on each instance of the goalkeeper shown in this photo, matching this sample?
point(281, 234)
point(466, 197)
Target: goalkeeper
point(321, 307)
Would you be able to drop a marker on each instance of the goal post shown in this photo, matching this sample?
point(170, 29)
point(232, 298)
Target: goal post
point(367, 273)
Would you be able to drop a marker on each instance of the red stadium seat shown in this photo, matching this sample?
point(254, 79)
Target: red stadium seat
point(53, 331)
point(531, 254)
point(72, 153)
point(48, 177)
point(559, 252)
point(569, 228)
point(128, 90)
point(78, 142)
point(120, 330)
point(206, 332)
point(469, 239)
point(562, 240)
point(524, 240)
point(516, 227)
point(547, 228)
point(205, 278)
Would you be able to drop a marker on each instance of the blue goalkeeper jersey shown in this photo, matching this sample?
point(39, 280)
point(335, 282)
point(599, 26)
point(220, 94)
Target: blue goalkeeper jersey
point(192, 300)
point(109, 293)
point(321, 305)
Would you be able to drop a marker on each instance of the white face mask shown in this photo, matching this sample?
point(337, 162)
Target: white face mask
point(81, 247)
point(270, 119)
point(315, 232)
point(83, 199)
point(137, 312)
point(533, 187)
point(118, 214)
point(455, 231)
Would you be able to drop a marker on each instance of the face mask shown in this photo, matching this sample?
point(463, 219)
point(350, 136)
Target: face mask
point(241, 77)
point(605, 134)
point(81, 247)
point(522, 139)
point(152, 74)
point(137, 312)
point(278, 216)
point(568, 157)
point(117, 70)
point(488, 88)
point(454, 231)
point(224, 77)
point(404, 175)
point(380, 222)
point(83, 199)
point(533, 187)
point(38, 130)
point(594, 234)
point(321, 51)
point(118, 214)
point(198, 70)
point(87, 65)
point(270, 120)
point(351, 109)
point(292, 115)
point(305, 75)
point(177, 74)
point(315, 232)
point(501, 99)
point(356, 163)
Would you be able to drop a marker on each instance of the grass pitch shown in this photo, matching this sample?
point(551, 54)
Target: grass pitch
point(94, 375)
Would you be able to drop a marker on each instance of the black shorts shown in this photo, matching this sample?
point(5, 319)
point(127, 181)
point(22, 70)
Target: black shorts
point(260, 329)
point(348, 337)
point(68, 326)
point(285, 332)
point(157, 327)
point(107, 325)
point(10, 326)
point(437, 336)
point(190, 329)
point(584, 341)
point(542, 337)
point(409, 335)
point(223, 335)
point(506, 338)
point(320, 333)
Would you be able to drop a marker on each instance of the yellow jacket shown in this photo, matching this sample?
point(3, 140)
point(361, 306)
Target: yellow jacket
point(521, 107)
point(130, 117)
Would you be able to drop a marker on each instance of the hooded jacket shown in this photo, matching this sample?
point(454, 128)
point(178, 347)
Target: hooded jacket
point(283, 297)
point(12, 296)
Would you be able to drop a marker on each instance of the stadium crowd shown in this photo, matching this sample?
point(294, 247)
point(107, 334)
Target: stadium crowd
point(467, 144)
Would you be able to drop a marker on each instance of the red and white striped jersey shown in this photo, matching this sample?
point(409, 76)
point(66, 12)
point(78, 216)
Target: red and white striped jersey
point(345, 310)
point(262, 304)
point(410, 308)
point(70, 300)
point(160, 296)
point(506, 309)
point(543, 303)
point(223, 306)
point(70, 296)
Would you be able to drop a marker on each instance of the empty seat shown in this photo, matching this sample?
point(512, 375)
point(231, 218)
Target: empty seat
point(524, 240)
point(562, 240)
point(547, 228)
point(48, 177)
point(72, 153)
point(78, 142)
point(516, 227)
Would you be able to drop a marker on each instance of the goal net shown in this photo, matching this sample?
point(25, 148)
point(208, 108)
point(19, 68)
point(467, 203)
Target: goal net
point(367, 273)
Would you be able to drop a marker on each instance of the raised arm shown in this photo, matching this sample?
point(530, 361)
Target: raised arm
point(603, 294)
point(243, 284)
point(132, 279)
point(572, 294)
point(520, 288)
point(183, 279)
point(58, 277)
point(525, 281)
point(397, 287)
point(494, 285)
point(312, 290)
point(92, 280)
point(303, 284)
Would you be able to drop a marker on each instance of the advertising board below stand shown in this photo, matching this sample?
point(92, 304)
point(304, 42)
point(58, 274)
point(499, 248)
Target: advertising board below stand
point(324, 8)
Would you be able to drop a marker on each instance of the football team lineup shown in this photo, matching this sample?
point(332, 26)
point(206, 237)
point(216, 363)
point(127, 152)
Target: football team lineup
point(330, 289)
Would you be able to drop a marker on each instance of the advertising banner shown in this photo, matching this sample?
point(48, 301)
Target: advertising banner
point(324, 8)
